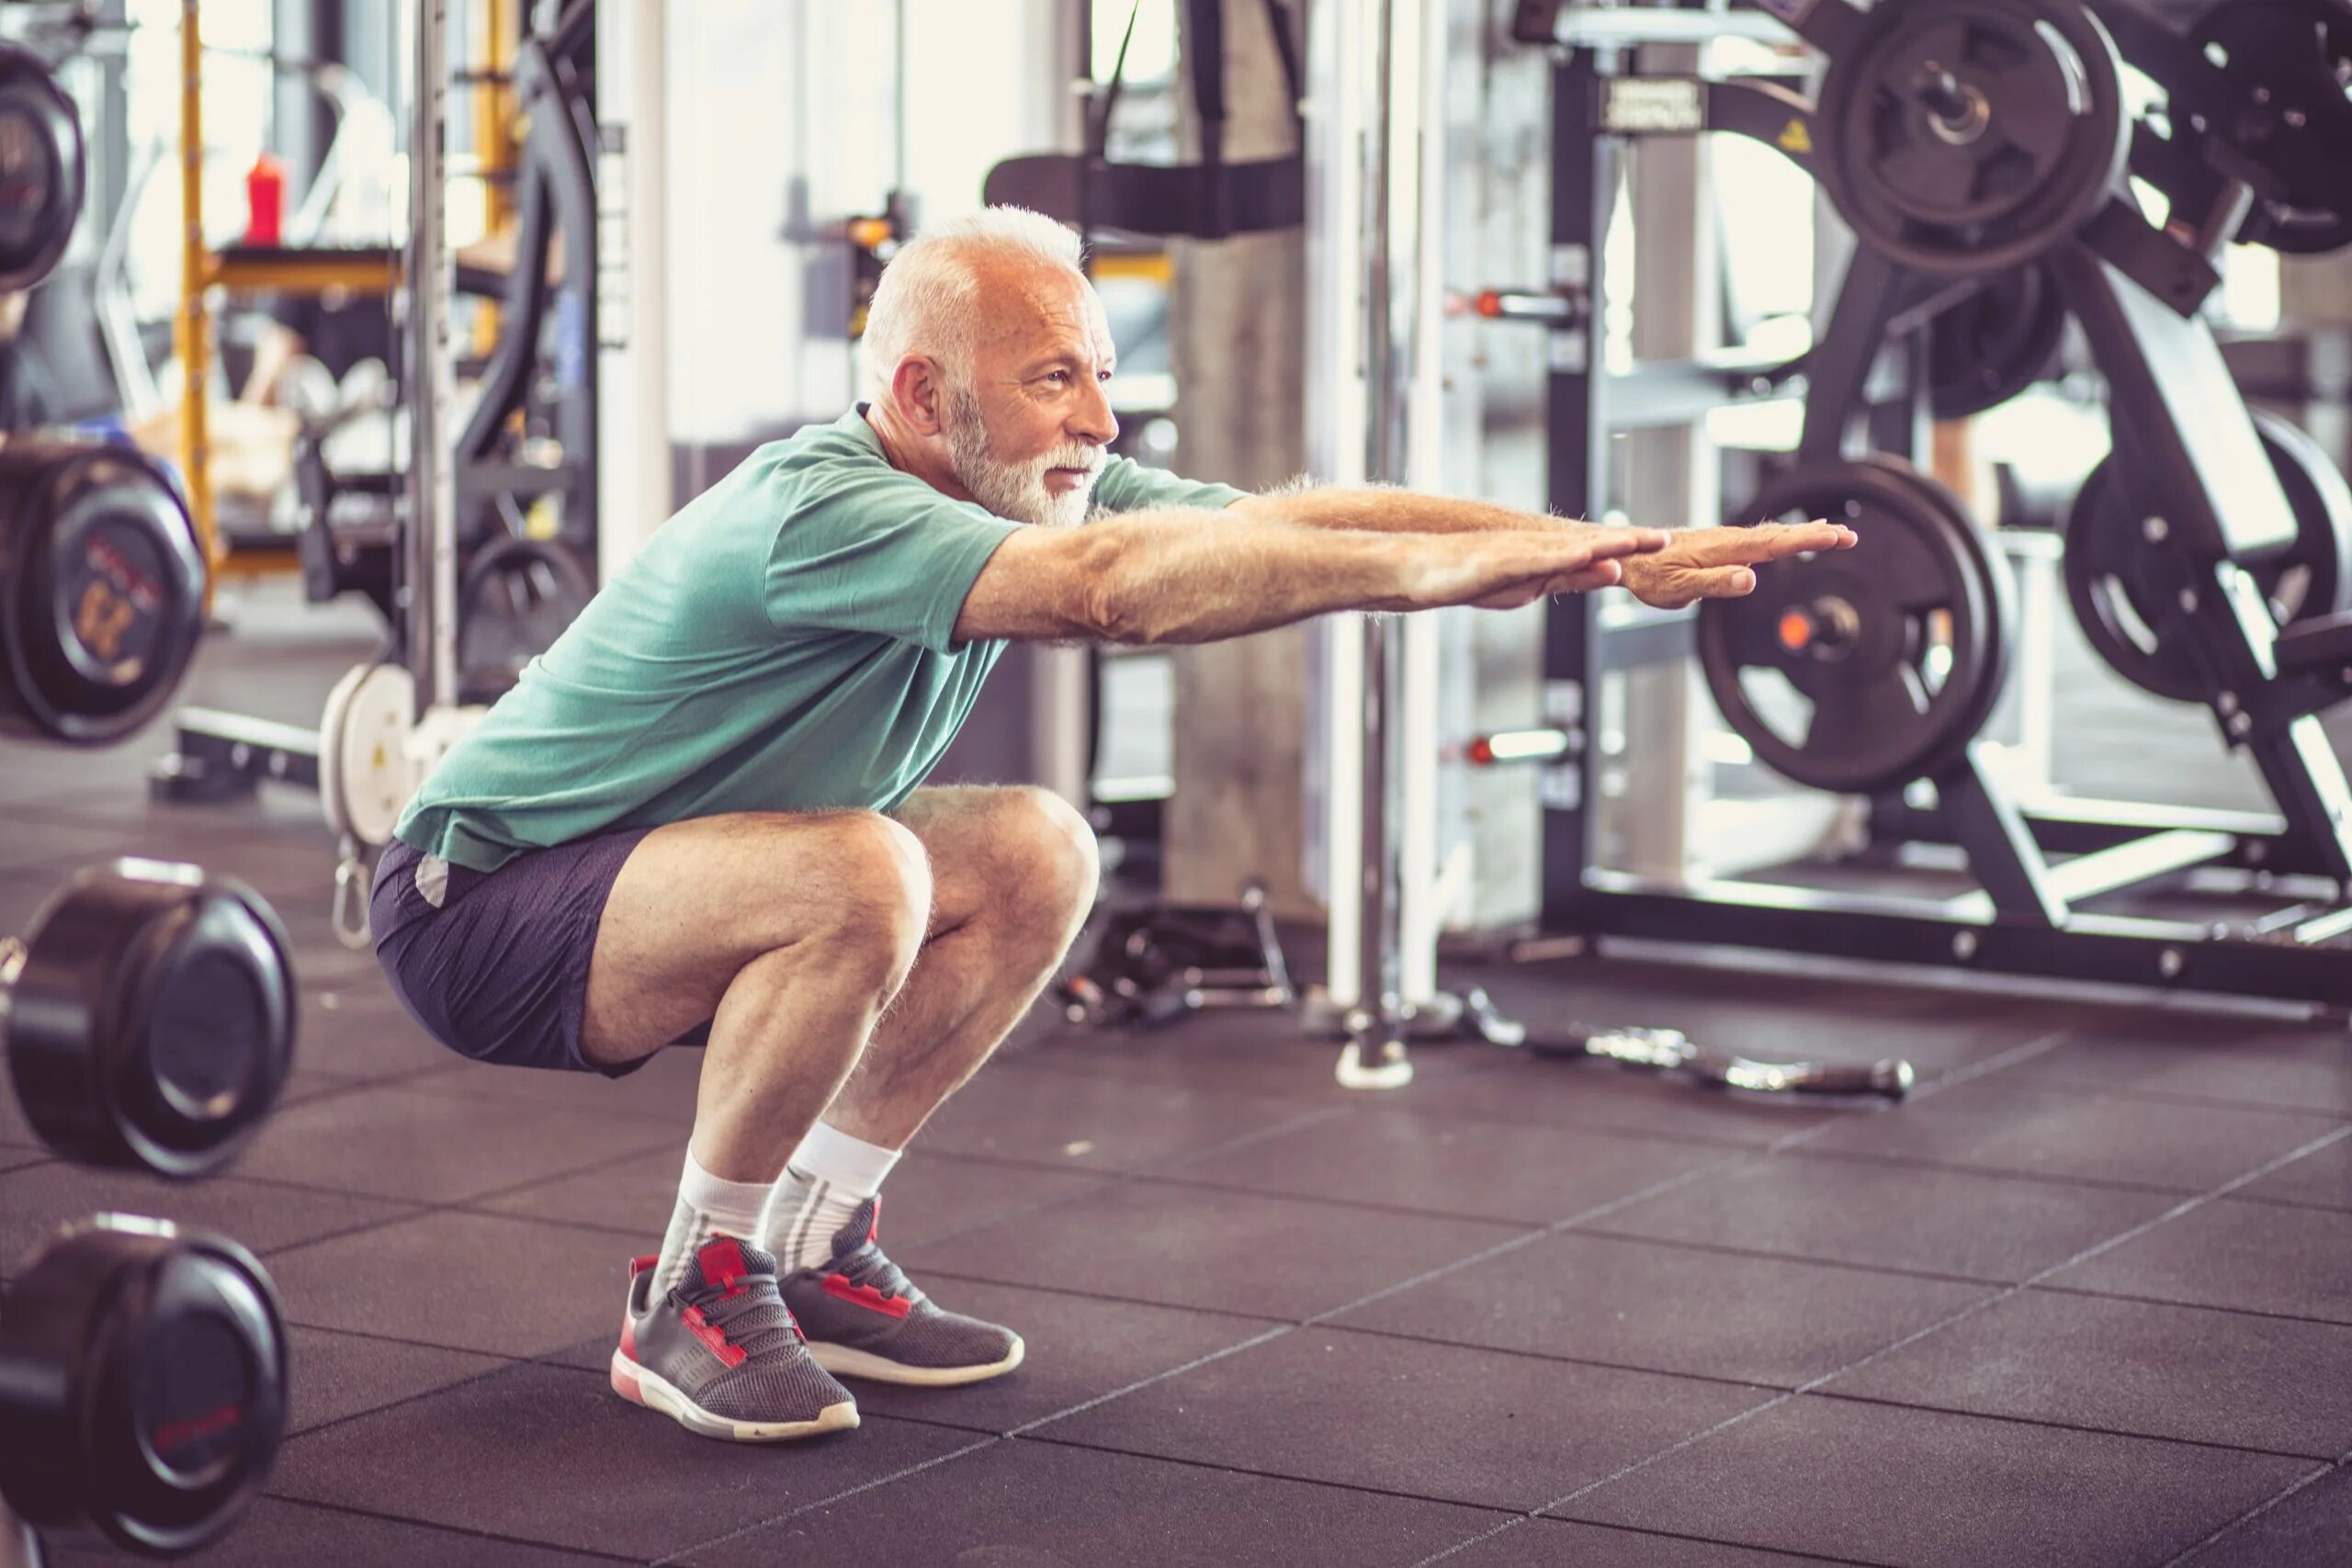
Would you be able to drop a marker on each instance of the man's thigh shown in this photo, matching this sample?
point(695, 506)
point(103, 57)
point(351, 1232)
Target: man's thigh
point(697, 900)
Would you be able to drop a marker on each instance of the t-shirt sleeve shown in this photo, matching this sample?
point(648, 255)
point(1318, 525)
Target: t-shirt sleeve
point(1128, 486)
point(879, 552)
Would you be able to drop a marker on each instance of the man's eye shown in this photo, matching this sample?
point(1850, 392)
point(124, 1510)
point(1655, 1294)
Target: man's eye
point(1057, 377)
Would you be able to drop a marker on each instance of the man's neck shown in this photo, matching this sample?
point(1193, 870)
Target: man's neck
point(910, 455)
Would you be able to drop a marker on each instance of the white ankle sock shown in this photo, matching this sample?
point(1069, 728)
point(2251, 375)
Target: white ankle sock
point(828, 1176)
point(706, 1207)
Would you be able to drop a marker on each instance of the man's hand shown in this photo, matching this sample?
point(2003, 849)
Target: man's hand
point(1504, 570)
point(1713, 563)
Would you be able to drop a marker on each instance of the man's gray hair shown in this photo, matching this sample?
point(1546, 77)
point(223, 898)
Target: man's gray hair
point(923, 304)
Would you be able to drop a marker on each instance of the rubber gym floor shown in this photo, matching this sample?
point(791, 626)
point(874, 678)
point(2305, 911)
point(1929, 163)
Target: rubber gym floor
point(2085, 1298)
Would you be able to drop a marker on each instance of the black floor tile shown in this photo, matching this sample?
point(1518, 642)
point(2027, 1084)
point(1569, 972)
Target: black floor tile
point(928, 1194)
point(548, 1454)
point(1478, 1426)
point(2322, 1177)
point(1883, 1484)
point(1078, 1348)
point(1087, 1122)
point(2307, 1530)
point(393, 1142)
point(1671, 1309)
point(1564, 1543)
point(1024, 1505)
point(2037, 1127)
point(663, 1089)
point(1234, 1252)
point(263, 1215)
point(467, 1281)
point(2213, 1056)
point(1254, 1053)
point(2278, 1384)
point(1980, 1228)
point(2243, 1257)
point(366, 1036)
point(280, 1534)
point(334, 1375)
point(1592, 1096)
point(1499, 1170)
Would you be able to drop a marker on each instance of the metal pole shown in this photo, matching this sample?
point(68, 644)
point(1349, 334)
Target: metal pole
point(431, 283)
point(195, 334)
point(633, 489)
point(1376, 1055)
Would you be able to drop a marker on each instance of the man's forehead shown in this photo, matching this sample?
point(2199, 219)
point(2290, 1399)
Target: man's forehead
point(1028, 313)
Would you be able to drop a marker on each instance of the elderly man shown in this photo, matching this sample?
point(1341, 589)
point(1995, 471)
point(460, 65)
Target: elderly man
point(699, 813)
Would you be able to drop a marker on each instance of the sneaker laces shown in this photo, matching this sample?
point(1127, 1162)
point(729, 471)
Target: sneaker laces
point(753, 1317)
point(866, 1265)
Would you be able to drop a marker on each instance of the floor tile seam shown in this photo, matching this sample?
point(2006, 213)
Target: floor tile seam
point(2084, 1429)
point(1272, 1333)
point(2259, 1510)
point(2182, 1097)
point(1955, 1167)
point(844, 1495)
point(499, 1537)
point(1370, 1205)
point(1752, 1385)
point(405, 1341)
point(1521, 1520)
point(1807, 1260)
point(2263, 1314)
point(2307, 1204)
point(508, 1364)
point(1961, 1314)
point(1229, 1467)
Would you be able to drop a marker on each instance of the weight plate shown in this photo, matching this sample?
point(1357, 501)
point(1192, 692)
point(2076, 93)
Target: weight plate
point(1996, 344)
point(152, 1022)
point(102, 584)
point(161, 1398)
point(2131, 621)
point(1963, 137)
point(1860, 670)
point(517, 597)
point(364, 779)
point(41, 177)
point(2291, 64)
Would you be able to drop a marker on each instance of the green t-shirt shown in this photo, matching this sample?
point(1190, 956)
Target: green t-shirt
point(784, 643)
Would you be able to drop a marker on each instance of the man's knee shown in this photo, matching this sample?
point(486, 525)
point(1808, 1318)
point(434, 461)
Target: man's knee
point(1057, 852)
point(882, 897)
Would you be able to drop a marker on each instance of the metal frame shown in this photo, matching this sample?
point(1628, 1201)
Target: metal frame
point(2021, 919)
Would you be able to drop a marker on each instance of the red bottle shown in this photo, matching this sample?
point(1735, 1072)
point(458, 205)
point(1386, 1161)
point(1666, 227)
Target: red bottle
point(264, 201)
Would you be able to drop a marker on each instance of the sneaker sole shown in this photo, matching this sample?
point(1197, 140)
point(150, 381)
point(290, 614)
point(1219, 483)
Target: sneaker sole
point(844, 1362)
point(639, 1387)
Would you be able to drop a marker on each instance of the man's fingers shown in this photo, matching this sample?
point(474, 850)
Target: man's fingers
point(1766, 542)
point(1720, 582)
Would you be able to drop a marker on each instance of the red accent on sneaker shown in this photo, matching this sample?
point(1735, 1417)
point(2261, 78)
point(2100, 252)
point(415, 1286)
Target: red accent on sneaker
point(839, 1287)
point(639, 1265)
point(722, 1261)
point(873, 1230)
point(711, 1334)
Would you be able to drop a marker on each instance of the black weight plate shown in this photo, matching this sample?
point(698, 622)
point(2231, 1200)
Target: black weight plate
point(517, 597)
point(2129, 621)
point(1898, 647)
point(2034, 149)
point(41, 174)
point(1996, 344)
point(161, 1401)
point(2292, 62)
point(152, 1023)
point(102, 603)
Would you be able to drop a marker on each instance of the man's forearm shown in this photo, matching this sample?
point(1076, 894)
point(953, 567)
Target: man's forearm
point(1186, 577)
point(1381, 510)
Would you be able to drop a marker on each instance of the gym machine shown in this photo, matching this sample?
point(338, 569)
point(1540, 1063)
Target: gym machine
point(1961, 141)
point(525, 527)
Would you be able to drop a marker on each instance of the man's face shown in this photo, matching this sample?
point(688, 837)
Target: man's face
point(1026, 430)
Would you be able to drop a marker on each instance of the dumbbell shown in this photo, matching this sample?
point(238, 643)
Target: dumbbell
point(143, 1384)
point(102, 584)
point(148, 1017)
point(41, 178)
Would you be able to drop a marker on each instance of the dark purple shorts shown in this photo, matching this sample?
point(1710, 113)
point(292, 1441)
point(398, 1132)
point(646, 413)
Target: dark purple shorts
point(494, 964)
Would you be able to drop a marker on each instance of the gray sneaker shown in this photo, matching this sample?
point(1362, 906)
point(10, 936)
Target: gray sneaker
point(863, 1319)
point(720, 1355)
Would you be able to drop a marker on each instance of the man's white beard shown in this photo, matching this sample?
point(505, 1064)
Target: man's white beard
point(1015, 491)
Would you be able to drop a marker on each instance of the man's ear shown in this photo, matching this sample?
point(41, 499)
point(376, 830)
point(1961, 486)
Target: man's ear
point(920, 390)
